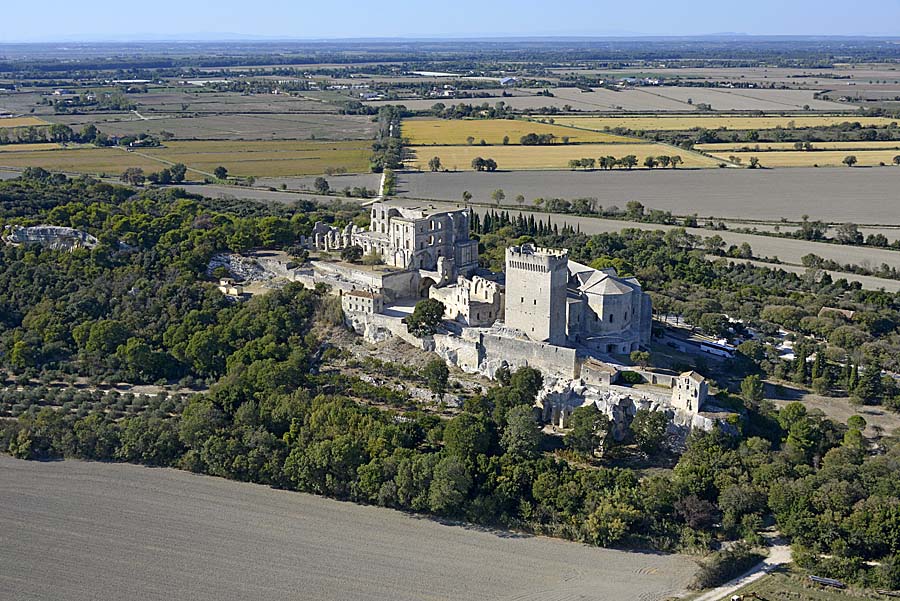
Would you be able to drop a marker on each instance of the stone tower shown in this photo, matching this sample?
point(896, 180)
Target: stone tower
point(536, 280)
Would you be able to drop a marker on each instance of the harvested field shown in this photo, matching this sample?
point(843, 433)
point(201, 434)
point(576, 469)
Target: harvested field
point(423, 132)
point(735, 193)
point(819, 158)
point(233, 126)
point(767, 146)
point(241, 158)
point(29, 147)
point(556, 156)
point(12, 122)
point(84, 531)
point(785, 249)
point(266, 159)
point(744, 99)
point(95, 161)
point(370, 181)
point(199, 101)
point(662, 123)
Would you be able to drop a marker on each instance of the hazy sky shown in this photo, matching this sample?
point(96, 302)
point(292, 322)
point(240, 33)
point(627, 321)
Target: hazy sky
point(114, 19)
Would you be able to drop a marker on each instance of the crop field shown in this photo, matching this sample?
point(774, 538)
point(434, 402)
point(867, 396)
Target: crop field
point(662, 123)
point(556, 156)
point(200, 101)
point(819, 158)
point(29, 147)
point(242, 158)
point(12, 122)
point(94, 161)
point(424, 132)
point(731, 193)
point(248, 126)
point(767, 146)
point(80, 531)
point(266, 159)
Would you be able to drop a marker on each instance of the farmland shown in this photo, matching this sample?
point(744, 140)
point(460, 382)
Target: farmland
point(266, 159)
point(80, 531)
point(734, 193)
point(819, 158)
point(22, 122)
point(423, 132)
point(245, 158)
point(243, 126)
point(767, 146)
point(662, 123)
point(556, 156)
point(94, 161)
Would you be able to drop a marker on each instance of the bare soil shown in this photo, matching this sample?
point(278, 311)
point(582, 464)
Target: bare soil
point(78, 531)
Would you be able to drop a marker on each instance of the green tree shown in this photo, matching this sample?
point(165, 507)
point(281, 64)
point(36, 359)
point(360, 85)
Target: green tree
point(321, 186)
point(351, 254)
point(641, 358)
point(178, 171)
point(498, 196)
point(649, 430)
point(752, 390)
point(522, 434)
point(220, 172)
point(450, 485)
point(436, 375)
point(425, 318)
point(467, 436)
point(850, 160)
point(589, 430)
point(434, 163)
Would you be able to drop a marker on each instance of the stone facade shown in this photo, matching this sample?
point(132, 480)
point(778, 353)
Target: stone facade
point(471, 302)
point(689, 392)
point(362, 301)
point(550, 298)
point(536, 280)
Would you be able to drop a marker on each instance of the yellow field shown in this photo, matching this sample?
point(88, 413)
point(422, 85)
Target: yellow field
point(29, 147)
point(450, 132)
point(110, 161)
point(22, 122)
point(765, 146)
point(823, 158)
point(259, 159)
point(557, 156)
point(714, 122)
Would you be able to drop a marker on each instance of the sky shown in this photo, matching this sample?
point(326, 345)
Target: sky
point(98, 20)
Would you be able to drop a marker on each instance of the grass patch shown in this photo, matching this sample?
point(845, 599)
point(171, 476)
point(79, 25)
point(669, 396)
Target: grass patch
point(791, 585)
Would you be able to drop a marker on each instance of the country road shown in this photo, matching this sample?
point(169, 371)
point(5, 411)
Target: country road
point(779, 554)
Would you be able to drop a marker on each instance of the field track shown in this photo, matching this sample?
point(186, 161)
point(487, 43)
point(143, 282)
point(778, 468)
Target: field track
point(91, 531)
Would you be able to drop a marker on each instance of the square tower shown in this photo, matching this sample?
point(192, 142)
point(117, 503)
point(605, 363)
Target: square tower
point(536, 280)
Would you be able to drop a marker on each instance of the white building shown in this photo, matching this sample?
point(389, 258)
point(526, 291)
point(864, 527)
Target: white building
point(362, 301)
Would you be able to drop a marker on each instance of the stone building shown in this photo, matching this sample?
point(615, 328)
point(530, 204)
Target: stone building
point(536, 282)
point(362, 301)
point(552, 299)
point(689, 391)
point(474, 302)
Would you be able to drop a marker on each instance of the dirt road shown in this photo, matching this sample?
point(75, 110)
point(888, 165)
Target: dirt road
point(91, 531)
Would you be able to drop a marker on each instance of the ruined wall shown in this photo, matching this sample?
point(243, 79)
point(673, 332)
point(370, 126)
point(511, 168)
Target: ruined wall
point(555, 360)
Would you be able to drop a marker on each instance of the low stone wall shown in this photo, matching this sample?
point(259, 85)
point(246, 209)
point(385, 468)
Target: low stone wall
point(549, 359)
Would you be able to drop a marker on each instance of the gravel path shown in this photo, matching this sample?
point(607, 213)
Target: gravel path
point(91, 531)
